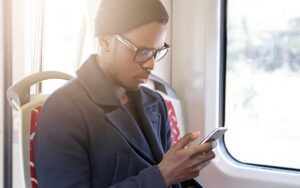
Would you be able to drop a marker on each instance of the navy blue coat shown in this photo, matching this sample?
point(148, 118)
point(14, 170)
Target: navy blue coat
point(86, 137)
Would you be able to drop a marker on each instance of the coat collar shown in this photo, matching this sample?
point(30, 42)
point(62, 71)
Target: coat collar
point(95, 84)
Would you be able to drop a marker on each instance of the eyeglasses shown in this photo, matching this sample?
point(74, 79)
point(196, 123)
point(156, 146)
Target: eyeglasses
point(144, 54)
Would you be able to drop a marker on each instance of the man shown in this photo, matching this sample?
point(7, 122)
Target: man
point(102, 129)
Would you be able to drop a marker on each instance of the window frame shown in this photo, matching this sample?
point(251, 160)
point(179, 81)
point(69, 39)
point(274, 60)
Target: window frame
point(222, 94)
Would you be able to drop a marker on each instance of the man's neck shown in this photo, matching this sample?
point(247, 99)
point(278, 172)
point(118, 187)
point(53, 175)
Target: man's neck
point(121, 93)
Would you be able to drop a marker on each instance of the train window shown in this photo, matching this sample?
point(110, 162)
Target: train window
point(65, 38)
point(62, 25)
point(262, 82)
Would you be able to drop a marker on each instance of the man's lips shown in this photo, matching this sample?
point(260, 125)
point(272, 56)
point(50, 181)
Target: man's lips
point(142, 79)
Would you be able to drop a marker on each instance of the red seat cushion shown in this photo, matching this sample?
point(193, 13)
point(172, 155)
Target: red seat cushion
point(173, 122)
point(34, 119)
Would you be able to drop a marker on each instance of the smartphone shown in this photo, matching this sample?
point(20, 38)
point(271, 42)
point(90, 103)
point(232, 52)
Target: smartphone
point(215, 134)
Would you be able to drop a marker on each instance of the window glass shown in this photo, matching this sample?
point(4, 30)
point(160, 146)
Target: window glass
point(87, 49)
point(62, 26)
point(262, 102)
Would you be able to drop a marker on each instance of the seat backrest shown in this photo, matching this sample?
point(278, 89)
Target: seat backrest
point(29, 116)
point(33, 123)
point(173, 122)
point(176, 116)
point(28, 107)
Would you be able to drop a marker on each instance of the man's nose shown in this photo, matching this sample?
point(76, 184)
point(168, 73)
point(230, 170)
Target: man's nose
point(149, 65)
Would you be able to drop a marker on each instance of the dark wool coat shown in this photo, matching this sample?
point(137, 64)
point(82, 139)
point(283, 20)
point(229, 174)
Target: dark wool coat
point(86, 137)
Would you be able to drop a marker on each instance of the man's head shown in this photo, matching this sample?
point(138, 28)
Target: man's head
point(131, 35)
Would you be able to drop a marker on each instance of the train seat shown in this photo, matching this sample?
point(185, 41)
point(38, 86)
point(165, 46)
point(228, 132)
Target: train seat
point(28, 106)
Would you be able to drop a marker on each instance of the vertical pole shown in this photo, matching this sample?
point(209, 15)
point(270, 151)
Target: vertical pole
point(7, 75)
point(41, 53)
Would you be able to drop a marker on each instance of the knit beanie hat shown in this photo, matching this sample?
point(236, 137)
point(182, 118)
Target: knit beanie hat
point(119, 16)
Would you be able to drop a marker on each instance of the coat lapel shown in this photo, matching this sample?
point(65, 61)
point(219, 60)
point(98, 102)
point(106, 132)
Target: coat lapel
point(146, 107)
point(128, 128)
point(152, 132)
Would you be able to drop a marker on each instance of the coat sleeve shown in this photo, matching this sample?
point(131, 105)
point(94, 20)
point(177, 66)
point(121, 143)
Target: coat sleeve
point(60, 149)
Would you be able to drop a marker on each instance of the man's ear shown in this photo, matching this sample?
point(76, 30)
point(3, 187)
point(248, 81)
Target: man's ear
point(105, 42)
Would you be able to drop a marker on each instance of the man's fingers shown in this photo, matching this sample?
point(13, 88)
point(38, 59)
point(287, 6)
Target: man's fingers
point(202, 158)
point(205, 157)
point(202, 148)
point(188, 138)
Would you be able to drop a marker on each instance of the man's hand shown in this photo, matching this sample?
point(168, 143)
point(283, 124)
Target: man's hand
point(180, 163)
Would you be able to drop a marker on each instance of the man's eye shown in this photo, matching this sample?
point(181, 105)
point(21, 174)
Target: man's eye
point(146, 52)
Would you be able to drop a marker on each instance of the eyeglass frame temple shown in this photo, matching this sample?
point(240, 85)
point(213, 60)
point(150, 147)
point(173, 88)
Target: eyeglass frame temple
point(126, 42)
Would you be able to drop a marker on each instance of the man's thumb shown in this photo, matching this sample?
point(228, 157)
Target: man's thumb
point(188, 138)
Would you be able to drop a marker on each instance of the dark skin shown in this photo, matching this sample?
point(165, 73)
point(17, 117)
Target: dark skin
point(123, 73)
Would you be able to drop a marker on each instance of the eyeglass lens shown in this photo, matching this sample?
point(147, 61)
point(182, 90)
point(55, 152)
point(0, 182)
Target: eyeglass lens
point(145, 54)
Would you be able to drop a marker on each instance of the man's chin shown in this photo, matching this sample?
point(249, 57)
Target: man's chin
point(133, 88)
point(129, 86)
